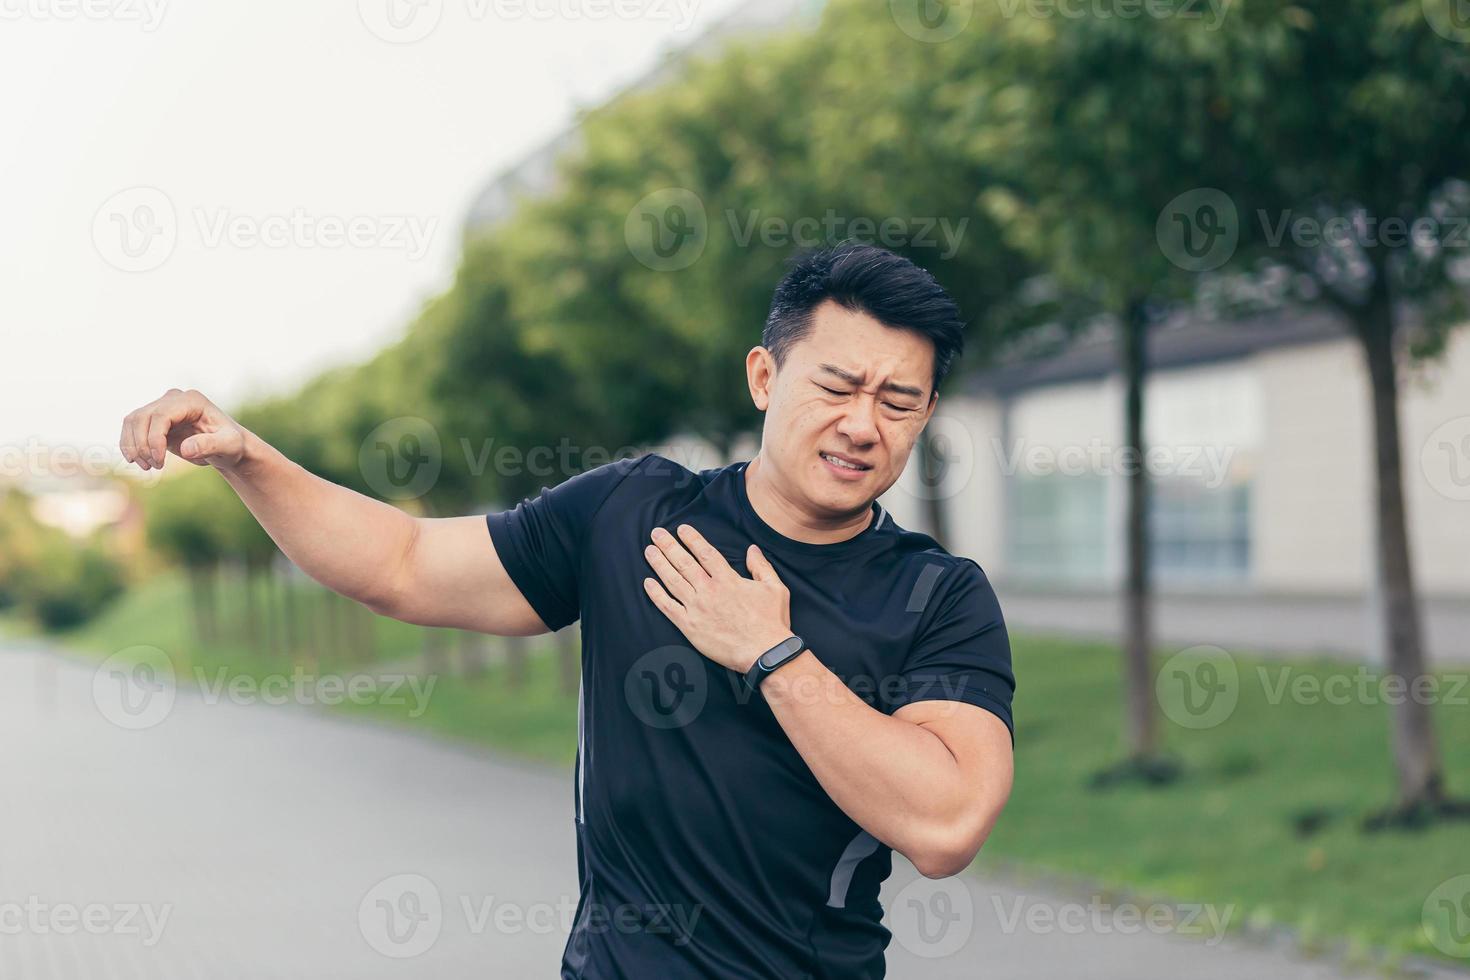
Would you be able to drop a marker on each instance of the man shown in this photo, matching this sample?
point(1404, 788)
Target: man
point(780, 685)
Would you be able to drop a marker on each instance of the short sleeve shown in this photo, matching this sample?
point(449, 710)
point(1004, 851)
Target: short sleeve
point(540, 542)
point(963, 652)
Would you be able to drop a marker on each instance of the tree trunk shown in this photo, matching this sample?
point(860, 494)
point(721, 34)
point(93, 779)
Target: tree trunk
point(364, 632)
point(1142, 729)
point(339, 650)
point(517, 662)
point(289, 619)
point(470, 656)
point(933, 464)
point(251, 608)
point(1416, 755)
point(202, 587)
point(568, 659)
point(434, 657)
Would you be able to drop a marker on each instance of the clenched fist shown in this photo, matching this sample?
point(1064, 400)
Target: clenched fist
point(186, 423)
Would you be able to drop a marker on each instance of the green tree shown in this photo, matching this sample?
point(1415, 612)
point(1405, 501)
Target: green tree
point(1345, 152)
point(1072, 131)
point(186, 518)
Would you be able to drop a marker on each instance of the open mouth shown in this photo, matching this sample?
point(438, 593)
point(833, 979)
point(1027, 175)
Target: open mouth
point(843, 463)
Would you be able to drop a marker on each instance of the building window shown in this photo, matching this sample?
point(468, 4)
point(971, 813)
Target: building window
point(1199, 534)
point(1057, 529)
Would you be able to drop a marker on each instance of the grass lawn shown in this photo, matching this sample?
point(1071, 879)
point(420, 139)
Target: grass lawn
point(1266, 817)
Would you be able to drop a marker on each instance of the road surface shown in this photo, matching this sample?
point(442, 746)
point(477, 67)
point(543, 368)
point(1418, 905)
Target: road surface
point(222, 840)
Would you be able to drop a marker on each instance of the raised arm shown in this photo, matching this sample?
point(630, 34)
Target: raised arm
point(430, 571)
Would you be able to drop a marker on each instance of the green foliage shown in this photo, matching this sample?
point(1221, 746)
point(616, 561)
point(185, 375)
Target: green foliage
point(195, 519)
point(68, 583)
point(50, 577)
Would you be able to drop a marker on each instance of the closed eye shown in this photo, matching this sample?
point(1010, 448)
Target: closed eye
point(831, 391)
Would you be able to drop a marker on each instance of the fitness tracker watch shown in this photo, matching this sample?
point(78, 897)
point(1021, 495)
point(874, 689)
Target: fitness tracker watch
point(771, 659)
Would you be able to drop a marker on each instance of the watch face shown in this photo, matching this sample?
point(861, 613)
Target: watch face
point(787, 649)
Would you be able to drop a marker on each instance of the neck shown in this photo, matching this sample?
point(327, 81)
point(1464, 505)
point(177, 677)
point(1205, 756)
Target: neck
point(792, 519)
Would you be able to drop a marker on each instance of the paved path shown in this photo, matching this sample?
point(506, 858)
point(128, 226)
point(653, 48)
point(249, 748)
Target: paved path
point(270, 842)
point(1338, 626)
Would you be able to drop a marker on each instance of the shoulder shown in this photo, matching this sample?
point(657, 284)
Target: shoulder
point(944, 585)
point(631, 481)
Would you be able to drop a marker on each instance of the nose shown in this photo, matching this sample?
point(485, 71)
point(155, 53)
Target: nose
point(859, 421)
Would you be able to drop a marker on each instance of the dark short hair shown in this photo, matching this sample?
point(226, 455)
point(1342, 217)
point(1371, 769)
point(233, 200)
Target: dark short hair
point(867, 279)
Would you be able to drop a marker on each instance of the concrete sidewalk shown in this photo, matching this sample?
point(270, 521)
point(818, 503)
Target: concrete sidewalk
point(283, 842)
point(1336, 626)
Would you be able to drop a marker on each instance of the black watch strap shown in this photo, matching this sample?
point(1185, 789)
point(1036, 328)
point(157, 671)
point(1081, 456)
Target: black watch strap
point(771, 659)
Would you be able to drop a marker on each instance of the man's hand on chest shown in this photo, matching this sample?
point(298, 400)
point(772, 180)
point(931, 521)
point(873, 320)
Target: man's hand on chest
point(729, 618)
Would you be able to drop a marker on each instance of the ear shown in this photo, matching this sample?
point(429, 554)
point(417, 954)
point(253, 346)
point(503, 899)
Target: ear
point(933, 403)
point(760, 375)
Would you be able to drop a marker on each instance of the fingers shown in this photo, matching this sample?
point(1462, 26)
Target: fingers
point(679, 557)
point(671, 577)
point(134, 443)
point(198, 447)
point(155, 438)
point(708, 556)
point(664, 602)
point(144, 437)
point(760, 569)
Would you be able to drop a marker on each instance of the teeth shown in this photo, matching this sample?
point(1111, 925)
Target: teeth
point(840, 462)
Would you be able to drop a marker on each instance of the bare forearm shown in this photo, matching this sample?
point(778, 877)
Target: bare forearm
point(350, 543)
point(895, 779)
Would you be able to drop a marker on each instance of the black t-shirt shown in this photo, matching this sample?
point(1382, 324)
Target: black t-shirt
point(705, 846)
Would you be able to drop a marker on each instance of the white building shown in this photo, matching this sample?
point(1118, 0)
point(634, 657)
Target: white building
point(1263, 510)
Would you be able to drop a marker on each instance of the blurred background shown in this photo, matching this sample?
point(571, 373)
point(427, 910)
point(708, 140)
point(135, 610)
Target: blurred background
point(1210, 439)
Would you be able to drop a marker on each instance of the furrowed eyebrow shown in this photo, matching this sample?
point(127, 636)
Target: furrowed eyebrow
point(854, 379)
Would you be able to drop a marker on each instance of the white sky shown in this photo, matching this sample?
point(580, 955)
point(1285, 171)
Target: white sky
point(243, 112)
